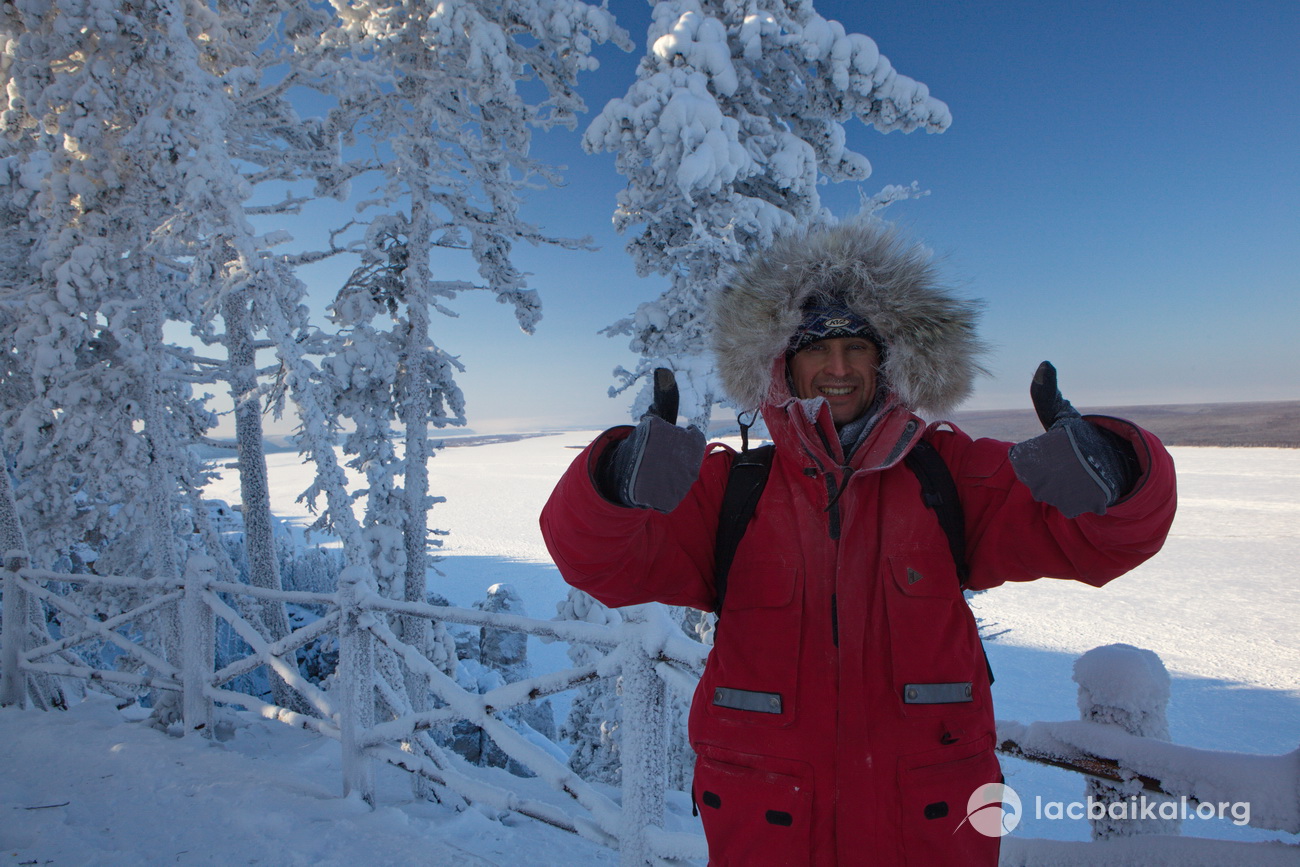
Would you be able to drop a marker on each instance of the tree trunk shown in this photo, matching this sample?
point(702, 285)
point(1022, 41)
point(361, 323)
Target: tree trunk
point(254, 489)
point(162, 560)
point(415, 411)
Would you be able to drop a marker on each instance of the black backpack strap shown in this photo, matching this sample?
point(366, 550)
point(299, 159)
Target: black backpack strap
point(939, 492)
point(745, 482)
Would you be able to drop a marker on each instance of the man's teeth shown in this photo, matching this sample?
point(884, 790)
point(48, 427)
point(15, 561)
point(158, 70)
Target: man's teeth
point(835, 392)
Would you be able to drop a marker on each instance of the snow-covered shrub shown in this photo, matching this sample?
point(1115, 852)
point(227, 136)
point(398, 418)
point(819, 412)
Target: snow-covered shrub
point(489, 658)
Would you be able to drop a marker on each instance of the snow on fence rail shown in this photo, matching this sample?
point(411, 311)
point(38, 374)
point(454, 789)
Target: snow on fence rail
point(1270, 784)
point(648, 651)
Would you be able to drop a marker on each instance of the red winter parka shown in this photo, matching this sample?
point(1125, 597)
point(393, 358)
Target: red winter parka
point(844, 716)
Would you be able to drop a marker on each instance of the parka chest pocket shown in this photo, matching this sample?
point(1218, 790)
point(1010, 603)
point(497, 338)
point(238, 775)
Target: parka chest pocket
point(752, 673)
point(933, 638)
point(762, 584)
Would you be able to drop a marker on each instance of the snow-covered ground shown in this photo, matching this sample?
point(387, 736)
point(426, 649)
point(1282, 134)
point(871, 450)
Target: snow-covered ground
point(1219, 605)
point(89, 788)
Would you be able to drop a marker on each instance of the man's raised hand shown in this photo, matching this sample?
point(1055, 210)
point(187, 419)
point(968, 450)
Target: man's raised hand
point(1075, 466)
point(655, 466)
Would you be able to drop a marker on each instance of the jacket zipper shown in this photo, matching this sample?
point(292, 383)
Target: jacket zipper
point(835, 620)
point(833, 508)
point(833, 519)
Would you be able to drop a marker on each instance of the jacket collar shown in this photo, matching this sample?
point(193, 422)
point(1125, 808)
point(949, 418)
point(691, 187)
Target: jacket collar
point(805, 428)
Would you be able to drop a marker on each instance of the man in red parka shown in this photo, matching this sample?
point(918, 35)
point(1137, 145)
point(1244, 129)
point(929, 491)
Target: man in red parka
point(844, 716)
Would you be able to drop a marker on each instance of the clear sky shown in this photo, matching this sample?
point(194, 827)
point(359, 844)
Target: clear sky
point(1120, 184)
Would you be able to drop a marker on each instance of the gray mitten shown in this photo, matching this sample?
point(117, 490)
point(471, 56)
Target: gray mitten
point(655, 466)
point(1076, 466)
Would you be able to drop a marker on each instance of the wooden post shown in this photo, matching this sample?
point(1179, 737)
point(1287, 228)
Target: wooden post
point(644, 752)
point(13, 683)
point(356, 683)
point(1129, 687)
point(13, 557)
point(198, 647)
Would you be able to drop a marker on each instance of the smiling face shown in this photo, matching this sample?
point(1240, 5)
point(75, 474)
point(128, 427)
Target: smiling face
point(840, 369)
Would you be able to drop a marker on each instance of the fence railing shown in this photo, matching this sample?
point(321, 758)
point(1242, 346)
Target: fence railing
point(648, 651)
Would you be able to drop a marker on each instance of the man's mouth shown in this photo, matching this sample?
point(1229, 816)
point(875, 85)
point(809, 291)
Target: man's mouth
point(836, 390)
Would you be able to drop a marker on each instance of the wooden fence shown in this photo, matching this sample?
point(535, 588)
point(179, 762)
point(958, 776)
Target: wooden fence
point(648, 652)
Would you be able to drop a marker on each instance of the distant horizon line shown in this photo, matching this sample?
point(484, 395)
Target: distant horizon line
point(540, 429)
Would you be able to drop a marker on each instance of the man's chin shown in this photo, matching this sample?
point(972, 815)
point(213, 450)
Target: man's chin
point(844, 403)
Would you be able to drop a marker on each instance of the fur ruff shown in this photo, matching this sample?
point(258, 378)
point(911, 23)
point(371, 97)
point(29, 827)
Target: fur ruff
point(931, 348)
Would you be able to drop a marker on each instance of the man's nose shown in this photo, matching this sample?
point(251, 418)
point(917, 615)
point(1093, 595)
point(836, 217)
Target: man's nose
point(837, 362)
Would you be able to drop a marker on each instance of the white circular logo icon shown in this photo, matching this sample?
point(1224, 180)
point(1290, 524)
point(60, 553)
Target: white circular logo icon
point(993, 809)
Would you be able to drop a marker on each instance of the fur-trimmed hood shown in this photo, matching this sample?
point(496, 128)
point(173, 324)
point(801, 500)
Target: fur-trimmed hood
point(931, 349)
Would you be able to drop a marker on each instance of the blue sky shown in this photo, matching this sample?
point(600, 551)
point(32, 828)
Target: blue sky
point(1120, 184)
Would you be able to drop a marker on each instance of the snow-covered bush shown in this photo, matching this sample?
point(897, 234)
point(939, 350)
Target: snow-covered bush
point(489, 658)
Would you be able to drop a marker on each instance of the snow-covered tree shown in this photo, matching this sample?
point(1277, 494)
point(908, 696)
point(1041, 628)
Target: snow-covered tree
point(441, 89)
point(98, 99)
point(736, 115)
point(447, 96)
point(103, 155)
point(248, 55)
point(363, 375)
point(138, 132)
point(491, 657)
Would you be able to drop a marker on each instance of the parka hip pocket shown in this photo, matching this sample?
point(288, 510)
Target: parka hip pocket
point(756, 810)
point(753, 671)
point(937, 663)
point(935, 796)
